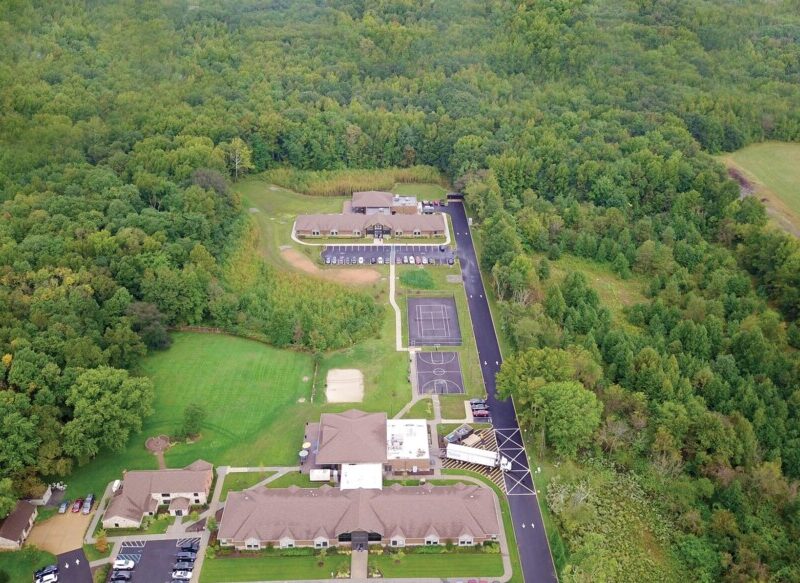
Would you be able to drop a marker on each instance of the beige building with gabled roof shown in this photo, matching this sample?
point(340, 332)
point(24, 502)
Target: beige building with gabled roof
point(325, 516)
point(16, 527)
point(143, 491)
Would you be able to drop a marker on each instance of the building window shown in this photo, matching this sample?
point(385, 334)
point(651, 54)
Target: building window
point(417, 232)
point(357, 232)
point(196, 494)
point(315, 232)
point(334, 232)
point(398, 542)
point(465, 542)
point(494, 537)
point(197, 500)
point(321, 544)
point(431, 541)
point(399, 233)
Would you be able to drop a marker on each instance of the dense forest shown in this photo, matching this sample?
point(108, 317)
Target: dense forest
point(580, 127)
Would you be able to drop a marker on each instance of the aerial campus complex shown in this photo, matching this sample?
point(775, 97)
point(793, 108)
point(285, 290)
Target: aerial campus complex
point(363, 481)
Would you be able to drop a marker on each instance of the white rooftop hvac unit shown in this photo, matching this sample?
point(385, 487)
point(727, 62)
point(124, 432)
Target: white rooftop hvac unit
point(473, 455)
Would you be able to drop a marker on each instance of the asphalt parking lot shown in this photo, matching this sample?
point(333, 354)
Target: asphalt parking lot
point(154, 559)
point(350, 254)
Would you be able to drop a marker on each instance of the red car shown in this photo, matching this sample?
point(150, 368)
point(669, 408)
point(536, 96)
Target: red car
point(480, 413)
point(77, 505)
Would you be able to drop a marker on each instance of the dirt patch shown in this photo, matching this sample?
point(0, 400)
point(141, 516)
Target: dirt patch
point(60, 533)
point(354, 276)
point(344, 385)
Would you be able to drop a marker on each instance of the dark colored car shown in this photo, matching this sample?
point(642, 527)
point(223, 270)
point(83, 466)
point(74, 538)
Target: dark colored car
point(120, 576)
point(190, 547)
point(46, 571)
point(77, 505)
point(450, 261)
point(186, 556)
point(183, 566)
point(477, 401)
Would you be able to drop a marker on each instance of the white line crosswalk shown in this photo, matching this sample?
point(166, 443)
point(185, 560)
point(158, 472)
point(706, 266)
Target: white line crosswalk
point(518, 480)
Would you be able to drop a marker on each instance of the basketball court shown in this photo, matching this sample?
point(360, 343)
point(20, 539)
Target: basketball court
point(439, 373)
point(432, 322)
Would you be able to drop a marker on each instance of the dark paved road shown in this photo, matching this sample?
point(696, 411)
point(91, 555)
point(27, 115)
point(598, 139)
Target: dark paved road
point(537, 563)
point(74, 568)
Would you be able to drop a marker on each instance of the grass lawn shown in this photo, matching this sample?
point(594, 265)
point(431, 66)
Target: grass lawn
point(158, 525)
point(439, 565)
point(270, 567)
point(453, 406)
point(242, 481)
point(422, 409)
point(423, 191)
point(294, 479)
point(20, 565)
point(250, 393)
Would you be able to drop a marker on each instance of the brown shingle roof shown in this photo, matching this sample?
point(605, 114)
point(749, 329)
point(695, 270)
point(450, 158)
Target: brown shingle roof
point(136, 496)
point(372, 198)
point(12, 526)
point(179, 504)
point(411, 512)
point(352, 222)
point(352, 437)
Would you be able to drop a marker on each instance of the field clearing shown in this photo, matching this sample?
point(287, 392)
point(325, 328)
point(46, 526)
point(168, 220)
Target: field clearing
point(615, 293)
point(774, 169)
point(228, 376)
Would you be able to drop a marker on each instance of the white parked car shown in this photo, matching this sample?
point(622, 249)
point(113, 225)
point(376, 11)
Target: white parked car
point(361, 261)
point(405, 258)
point(123, 565)
point(380, 260)
point(424, 260)
point(184, 575)
point(411, 259)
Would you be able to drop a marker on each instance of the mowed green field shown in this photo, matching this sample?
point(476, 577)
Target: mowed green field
point(776, 165)
point(270, 568)
point(443, 565)
point(249, 390)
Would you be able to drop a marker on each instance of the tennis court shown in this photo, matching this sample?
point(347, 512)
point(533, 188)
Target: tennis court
point(433, 321)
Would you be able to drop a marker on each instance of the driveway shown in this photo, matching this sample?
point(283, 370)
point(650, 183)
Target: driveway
point(534, 549)
point(73, 567)
point(60, 533)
